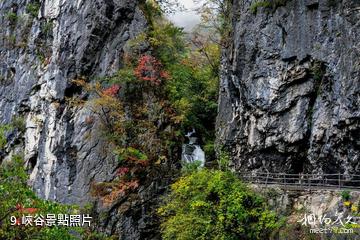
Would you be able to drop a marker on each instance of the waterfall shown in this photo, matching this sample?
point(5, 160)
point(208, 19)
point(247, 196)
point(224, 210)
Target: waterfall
point(192, 152)
point(199, 154)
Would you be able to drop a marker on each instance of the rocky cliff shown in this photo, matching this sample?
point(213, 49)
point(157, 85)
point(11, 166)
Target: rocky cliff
point(290, 86)
point(45, 45)
point(40, 56)
point(289, 94)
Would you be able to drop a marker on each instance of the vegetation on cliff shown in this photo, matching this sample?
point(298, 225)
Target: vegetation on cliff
point(214, 204)
point(19, 201)
point(166, 87)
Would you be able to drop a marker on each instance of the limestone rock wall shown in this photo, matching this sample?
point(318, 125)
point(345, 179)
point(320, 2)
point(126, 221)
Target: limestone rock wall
point(290, 87)
point(41, 52)
point(44, 46)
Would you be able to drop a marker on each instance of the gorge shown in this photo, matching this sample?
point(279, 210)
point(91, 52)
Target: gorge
point(287, 98)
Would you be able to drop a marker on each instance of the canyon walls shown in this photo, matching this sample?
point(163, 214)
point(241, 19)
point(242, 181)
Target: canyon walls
point(290, 87)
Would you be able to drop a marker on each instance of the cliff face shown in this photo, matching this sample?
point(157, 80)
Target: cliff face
point(42, 51)
point(290, 87)
point(44, 47)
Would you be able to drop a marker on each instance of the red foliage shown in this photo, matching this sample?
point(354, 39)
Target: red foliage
point(164, 74)
point(112, 91)
point(18, 221)
point(21, 209)
point(150, 69)
point(134, 184)
point(122, 171)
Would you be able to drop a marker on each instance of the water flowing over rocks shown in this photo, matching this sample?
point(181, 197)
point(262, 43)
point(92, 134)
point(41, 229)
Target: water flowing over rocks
point(191, 151)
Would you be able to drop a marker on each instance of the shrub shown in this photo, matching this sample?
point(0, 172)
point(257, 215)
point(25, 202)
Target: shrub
point(18, 122)
point(33, 9)
point(3, 130)
point(254, 7)
point(112, 91)
point(189, 168)
point(150, 69)
point(106, 106)
point(15, 195)
point(224, 161)
point(212, 204)
point(318, 71)
point(47, 28)
point(12, 17)
point(345, 195)
point(17, 198)
point(10, 40)
point(272, 4)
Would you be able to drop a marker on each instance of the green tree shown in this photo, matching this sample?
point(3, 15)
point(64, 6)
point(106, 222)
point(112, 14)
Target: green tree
point(16, 198)
point(216, 20)
point(192, 72)
point(212, 204)
point(3, 130)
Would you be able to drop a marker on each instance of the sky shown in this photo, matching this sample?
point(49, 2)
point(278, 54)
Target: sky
point(188, 18)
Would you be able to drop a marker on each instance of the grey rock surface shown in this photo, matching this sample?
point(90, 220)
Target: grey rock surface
point(290, 88)
point(66, 41)
point(40, 55)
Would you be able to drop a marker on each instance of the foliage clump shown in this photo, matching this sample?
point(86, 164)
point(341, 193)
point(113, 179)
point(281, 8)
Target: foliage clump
point(16, 195)
point(12, 17)
point(217, 18)
point(150, 69)
point(132, 108)
point(213, 204)
point(345, 195)
point(33, 8)
point(18, 123)
point(166, 87)
point(269, 4)
point(3, 137)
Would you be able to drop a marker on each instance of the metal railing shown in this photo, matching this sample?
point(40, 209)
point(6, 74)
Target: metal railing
point(304, 181)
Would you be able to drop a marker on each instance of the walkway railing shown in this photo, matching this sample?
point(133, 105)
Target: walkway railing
point(304, 181)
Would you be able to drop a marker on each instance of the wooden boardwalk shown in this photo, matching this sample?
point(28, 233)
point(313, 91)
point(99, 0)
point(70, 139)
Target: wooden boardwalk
point(304, 181)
